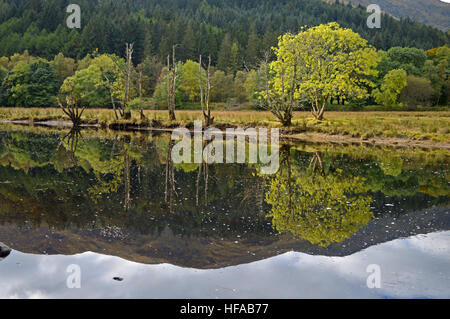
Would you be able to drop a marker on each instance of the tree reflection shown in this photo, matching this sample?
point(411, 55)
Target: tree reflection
point(321, 208)
point(203, 169)
point(70, 142)
point(170, 190)
point(123, 172)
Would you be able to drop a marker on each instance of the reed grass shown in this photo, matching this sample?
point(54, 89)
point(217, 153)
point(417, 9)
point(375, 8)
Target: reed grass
point(433, 126)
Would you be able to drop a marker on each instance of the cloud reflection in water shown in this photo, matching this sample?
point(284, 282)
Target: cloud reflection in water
point(414, 267)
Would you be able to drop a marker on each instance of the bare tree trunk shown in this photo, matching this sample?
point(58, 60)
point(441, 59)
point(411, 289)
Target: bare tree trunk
point(112, 99)
point(72, 109)
point(319, 105)
point(168, 86)
point(141, 109)
point(208, 93)
point(200, 83)
point(128, 56)
point(171, 85)
point(205, 92)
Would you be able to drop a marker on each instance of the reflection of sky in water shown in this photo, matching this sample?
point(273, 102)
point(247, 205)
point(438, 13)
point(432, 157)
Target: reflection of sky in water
point(414, 267)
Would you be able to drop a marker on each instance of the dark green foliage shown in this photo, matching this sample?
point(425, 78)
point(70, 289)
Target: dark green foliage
point(417, 92)
point(3, 89)
point(32, 85)
point(198, 26)
point(411, 60)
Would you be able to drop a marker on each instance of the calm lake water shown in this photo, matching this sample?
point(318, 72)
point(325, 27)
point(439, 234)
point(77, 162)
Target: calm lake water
point(117, 206)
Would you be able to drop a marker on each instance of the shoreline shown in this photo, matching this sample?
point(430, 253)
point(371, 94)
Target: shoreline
point(293, 135)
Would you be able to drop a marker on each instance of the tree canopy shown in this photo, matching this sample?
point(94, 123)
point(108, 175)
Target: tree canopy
point(322, 62)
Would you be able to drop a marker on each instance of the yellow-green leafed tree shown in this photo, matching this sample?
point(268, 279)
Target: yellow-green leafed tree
point(393, 84)
point(189, 81)
point(322, 62)
point(99, 84)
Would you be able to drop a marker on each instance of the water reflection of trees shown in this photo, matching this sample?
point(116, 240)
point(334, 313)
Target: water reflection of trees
point(70, 143)
point(40, 182)
point(320, 207)
point(170, 191)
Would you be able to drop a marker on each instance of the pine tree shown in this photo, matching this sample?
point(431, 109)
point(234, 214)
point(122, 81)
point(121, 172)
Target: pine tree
point(224, 60)
point(253, 48)
point(235, 58)
point(188, 46)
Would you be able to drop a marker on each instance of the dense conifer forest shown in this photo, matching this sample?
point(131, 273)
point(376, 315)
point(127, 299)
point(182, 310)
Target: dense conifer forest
point(197, 26)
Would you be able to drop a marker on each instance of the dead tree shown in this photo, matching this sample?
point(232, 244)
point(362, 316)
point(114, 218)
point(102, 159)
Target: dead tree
point(128, 74)
point(205, 92)
point(171, 84)
point(141, 109)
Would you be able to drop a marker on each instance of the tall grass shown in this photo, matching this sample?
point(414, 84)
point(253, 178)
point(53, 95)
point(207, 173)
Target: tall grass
point(416, 125)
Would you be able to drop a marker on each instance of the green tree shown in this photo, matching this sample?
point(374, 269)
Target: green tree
point(322, 62)
point(151, 69)
point(255, 84)
point(240, 91)
point(253, 48)
point(3, 88)
point(64, 67)
point(3, 74)
point(189, 83)
point(221, 86)
point(393, 84)
point(437, 70)
point(99, 83)
point(224, 59)
point(235, 58)
point(4, 62)
point(418, 91)
point(32, 84)
point(411, 60)
point(160, 94)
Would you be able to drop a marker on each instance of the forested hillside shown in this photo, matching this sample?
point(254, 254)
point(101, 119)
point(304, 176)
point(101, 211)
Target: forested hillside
point(216, 27)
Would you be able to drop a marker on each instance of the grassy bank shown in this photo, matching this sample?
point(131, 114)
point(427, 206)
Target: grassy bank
point(432, 126)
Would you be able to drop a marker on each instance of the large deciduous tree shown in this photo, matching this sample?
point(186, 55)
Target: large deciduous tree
point(99, 84)
point(321, 62)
